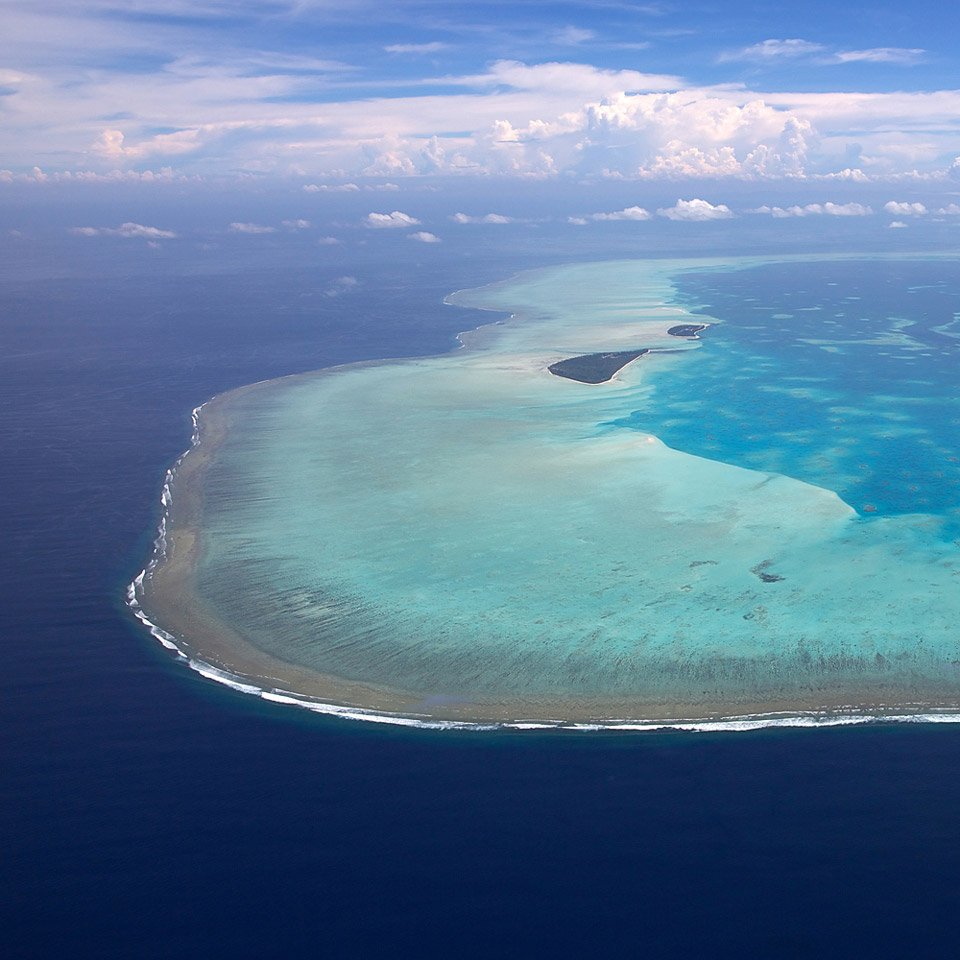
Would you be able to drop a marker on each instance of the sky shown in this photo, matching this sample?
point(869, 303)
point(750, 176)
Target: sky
point(355, 90)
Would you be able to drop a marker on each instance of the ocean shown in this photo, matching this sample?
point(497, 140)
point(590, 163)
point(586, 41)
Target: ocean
point(149, 812)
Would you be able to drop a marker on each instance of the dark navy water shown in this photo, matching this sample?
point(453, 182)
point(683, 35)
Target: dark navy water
point(149, 813)
point(840, 373)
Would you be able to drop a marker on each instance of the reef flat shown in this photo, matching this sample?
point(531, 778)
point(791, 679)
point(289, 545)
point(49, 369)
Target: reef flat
point(472, 538)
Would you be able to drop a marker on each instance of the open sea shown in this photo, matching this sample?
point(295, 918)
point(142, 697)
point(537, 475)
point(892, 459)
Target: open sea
point(147, 812)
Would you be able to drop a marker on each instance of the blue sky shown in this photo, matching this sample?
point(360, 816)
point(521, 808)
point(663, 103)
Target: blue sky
point(333, 92)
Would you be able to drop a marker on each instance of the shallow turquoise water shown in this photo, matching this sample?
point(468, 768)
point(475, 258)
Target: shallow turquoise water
point(731, 520)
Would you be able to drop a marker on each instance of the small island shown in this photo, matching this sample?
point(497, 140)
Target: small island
point(594, 367)
point(688, 331)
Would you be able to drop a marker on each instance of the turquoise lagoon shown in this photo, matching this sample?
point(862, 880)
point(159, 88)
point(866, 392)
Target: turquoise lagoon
point(761, 521)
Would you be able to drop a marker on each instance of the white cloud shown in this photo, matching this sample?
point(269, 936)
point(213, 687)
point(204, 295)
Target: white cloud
point(331, 188)
point(851, 174)
point(817, 210)
point(902, 55)
point(424, 236)
point(530, 121)
point(696, 209)
point(396, 219)
point(896, 225)
point(112, 145)
point(131, 231)
point(773, 50)
point(580, 79)
point(433, 47)
point(93, 82)
point(138, 230)
point(847, 209)
point(329, 242)
point(340, 286)
point(251, 228)
point(36, 175)
point(486, 218)
point(235, 111)
point(628, 213)
point(682, 160)
point(296, 224)
point(950, 210)
point(571, 36)
point(905, 209)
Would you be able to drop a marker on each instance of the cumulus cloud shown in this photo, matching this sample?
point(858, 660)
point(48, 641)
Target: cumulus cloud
point(905, 209)
point(673, 135)
point(348, 187)
point(381, 221)
point(628, 213)
point(266, 113)
point(251, 228)
point(486, 218)
point(424, 236)
point(331, 187)
point(340, 286)
point(296, 224)
point(896, 225)
point(848, 209)
point(131, 231)
point(112, 144)
point(696, 209)
point(950, 210)
point(679, 160)
point(818, 209)
point(138, 230)
point(39, 176)
point(851, 174)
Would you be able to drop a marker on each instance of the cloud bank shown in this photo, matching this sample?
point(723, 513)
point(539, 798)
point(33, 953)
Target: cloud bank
point(153, 90)
point(828, 209)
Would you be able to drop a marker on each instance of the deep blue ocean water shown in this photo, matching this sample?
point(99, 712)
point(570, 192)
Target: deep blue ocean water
point(147, 812)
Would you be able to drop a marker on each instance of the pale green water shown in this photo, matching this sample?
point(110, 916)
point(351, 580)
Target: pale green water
point(472, 526)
